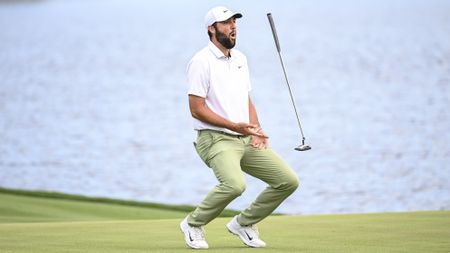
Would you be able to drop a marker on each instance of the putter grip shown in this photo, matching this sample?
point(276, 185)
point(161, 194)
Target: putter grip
point(274, 31)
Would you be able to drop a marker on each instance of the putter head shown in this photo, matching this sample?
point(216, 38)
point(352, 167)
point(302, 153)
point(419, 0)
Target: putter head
point(303, 147)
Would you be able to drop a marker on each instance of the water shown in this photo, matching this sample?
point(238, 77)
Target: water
point(93, 100)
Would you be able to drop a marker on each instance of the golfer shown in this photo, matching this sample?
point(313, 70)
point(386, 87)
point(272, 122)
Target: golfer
point(230, 139)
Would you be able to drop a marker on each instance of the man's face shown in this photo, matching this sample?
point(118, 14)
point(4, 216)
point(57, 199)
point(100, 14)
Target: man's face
point(226, 32)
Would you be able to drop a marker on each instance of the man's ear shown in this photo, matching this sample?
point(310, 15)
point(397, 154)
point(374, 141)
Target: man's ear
point(212, 29)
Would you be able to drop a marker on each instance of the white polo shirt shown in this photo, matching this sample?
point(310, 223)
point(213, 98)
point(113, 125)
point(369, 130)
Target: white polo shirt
point(223, 81)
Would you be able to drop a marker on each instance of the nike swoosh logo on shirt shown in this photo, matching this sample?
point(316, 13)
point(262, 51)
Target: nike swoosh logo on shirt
point(190, 238)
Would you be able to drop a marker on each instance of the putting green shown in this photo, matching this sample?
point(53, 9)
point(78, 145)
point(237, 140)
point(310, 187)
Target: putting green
point(77, 226)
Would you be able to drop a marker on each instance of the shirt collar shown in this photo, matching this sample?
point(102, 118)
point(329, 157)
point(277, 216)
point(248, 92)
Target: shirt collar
point(216, 51)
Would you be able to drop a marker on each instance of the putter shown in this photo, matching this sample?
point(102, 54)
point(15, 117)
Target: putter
point(303, 146)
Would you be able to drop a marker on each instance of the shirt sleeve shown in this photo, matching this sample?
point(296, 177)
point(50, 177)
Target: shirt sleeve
point(198, 77)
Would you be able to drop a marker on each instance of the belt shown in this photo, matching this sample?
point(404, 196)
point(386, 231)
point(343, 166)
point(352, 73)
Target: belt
point(219, 132)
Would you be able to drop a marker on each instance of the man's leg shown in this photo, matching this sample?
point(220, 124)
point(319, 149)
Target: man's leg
point(268, 166)
point(226, 166)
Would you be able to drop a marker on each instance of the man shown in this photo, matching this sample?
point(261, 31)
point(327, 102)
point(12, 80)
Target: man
point(230, 139)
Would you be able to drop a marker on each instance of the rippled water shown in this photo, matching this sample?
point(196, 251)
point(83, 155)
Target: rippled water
point(93, 100)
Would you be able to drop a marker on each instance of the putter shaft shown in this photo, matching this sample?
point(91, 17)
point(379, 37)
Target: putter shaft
point(277, 44)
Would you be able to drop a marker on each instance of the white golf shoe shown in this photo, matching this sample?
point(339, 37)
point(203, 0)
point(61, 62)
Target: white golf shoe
point(249, 235)
point(194, 236)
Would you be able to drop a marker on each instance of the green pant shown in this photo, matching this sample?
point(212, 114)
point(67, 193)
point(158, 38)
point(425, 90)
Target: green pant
point(229, 156)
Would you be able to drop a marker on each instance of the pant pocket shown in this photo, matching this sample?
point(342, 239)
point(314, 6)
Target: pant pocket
point(208, 145)
point(203, 145)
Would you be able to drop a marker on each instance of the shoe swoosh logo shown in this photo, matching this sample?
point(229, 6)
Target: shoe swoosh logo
point(249, 237)
point(190, 238)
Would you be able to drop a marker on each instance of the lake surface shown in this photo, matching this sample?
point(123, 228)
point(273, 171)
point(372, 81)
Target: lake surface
point(93, 100)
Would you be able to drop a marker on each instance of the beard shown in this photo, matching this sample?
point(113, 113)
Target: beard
point(224, 40)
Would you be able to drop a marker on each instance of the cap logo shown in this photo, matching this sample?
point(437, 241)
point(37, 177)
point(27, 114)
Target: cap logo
point(225, 11)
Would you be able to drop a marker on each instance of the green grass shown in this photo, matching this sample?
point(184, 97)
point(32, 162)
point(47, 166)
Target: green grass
point(16, 208)
point(79, 226)
point(47, 206)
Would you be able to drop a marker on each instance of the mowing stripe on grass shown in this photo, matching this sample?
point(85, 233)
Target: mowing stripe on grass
point(27, 206)
point(17, 208)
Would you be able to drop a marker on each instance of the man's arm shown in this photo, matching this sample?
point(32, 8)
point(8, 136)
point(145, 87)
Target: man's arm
point(200, 111)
